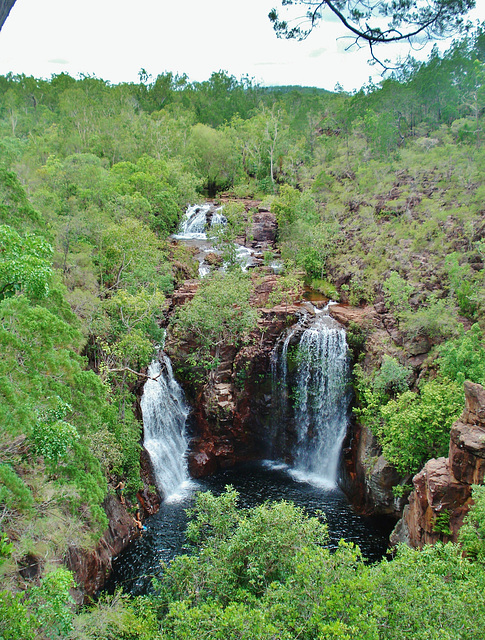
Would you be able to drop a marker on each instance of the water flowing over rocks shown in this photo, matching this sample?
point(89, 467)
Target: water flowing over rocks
point(443, 487)
point(311, 396)
point(165, 413)
point(202, 219)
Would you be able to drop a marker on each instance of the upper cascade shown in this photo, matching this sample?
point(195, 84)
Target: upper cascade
point(311, 395)
point(197, 219)
point(164, 415)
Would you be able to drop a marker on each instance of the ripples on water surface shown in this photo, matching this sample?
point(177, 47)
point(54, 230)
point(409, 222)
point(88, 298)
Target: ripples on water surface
point(164, 537)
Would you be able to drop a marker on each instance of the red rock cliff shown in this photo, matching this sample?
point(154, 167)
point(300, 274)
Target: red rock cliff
point(442, 489)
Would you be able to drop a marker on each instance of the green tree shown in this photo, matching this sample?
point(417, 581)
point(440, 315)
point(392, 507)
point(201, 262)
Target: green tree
point(214, 157)
point(464, 357)
point(25, 264)
point(15, 208)
point(416, 427)
point(472, 533)
point(130, 256)
point(239, 552)
point(220, 313)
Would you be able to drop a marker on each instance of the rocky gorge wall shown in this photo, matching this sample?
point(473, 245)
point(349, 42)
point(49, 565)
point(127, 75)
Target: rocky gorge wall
point(231, 411)
point(442, 489)
point(91, 567)
point(231, 420)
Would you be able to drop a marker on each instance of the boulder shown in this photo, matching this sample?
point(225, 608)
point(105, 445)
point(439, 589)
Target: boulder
point(474, 403)
point(202, 463)
point(360, 315)
point(467, 452)
point(380, 482)
point(264, 228)
point(186, 292)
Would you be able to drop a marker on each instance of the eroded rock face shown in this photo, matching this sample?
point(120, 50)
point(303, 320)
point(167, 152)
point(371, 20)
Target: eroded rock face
point(232, 410)
point(264, 228)
point(474, 404)
point(381, 480)
point(442, 489)
point(92, 567)
point(186, 292)
point(369, 478)
point(148, 498)
point(360, 315)
point(231, 413)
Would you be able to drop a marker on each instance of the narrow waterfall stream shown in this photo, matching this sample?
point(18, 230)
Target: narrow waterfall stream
point(309, 363)
point(312, 400)
point(164, 414)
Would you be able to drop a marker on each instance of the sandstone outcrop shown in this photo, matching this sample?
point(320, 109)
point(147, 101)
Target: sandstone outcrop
point(264, 228)
point(442, 489)
point(232, 409)
point(363, 316)
point(92, 567)
point(186, 292)
point(369, 479)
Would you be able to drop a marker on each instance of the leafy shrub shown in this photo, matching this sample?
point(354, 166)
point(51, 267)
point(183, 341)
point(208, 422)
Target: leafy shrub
point(117, 617)
point(393, 377)
point(43, 611)
point(52, 436)
point(356, 338)
point(397, 292)
point(13, 491)
point(220, 313)
point(416, 426)
point(239, 551)
point(462, 285)
point(472, 533)
point(464, 357)
point(25, 264)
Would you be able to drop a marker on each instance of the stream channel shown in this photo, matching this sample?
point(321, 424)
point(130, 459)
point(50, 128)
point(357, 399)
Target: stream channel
point(318, 423)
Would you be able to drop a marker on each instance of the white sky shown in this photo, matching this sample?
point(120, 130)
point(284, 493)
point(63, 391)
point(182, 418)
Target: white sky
point(114, 39)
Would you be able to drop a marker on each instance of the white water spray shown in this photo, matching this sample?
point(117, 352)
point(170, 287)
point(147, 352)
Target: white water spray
point(195, 222)
point(320, 397)
point(164, 414)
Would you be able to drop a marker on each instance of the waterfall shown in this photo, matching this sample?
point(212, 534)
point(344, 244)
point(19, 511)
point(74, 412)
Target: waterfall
point(313, 399)
point(164, 414)
point(218, 218)
point(280, 395)
point(194, 224)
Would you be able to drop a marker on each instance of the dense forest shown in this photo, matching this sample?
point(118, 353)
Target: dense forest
point(379, 199)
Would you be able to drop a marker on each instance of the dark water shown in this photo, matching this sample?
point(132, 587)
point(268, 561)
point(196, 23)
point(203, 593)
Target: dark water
point(164, 537)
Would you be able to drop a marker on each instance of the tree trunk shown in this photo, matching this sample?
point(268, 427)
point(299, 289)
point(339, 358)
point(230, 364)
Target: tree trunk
point(5, 6)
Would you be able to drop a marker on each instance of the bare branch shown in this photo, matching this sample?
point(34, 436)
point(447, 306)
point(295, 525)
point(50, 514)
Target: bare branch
point(136, 373)
point(5, 8)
